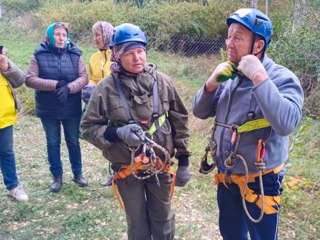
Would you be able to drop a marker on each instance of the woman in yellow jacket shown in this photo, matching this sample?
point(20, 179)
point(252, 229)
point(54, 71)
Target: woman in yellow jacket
point(99, 64)
point(100, 61)
point(10, 77)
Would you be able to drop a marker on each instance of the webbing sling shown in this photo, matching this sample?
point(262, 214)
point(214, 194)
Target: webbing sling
point(160, 121)
point(155, 114)
point(247, 126)
point(253, 125)
point(123, 100)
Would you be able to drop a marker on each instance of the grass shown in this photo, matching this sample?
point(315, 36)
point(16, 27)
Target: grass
point(93, 212)
point(86, 213)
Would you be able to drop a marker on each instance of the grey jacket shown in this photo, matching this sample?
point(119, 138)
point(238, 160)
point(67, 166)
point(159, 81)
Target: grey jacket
point(105, 107)
point(279, 99)
point(16, 78)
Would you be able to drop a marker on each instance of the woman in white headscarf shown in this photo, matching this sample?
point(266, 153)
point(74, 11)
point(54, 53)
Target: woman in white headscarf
point(99, 64)
point(100, 61)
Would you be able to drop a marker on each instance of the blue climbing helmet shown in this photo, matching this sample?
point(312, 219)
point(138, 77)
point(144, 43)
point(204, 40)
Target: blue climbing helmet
point(255, 21)
point(127, 32)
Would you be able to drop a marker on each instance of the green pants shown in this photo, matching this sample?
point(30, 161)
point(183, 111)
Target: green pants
point(148, 207)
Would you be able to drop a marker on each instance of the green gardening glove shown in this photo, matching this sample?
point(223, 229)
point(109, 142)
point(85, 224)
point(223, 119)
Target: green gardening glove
point(230, 72)
point(223, 72)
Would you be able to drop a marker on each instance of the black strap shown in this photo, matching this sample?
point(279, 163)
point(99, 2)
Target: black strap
point(155, 114)
point(123, 100)
point(155, 98)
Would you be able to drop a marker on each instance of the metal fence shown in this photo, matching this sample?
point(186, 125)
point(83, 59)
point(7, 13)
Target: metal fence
point(189, 46)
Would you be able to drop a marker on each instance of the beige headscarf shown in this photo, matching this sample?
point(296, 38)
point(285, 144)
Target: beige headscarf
point(119, 50)
point(106, 29)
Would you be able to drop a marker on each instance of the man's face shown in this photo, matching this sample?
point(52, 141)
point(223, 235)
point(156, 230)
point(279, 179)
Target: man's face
point(238, 43)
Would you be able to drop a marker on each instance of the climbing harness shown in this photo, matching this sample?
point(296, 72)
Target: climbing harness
point(264, 202)
point(250, 195)
point(145, 165)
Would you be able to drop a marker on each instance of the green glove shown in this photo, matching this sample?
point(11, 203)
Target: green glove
point(228, 73)
point(223, 72)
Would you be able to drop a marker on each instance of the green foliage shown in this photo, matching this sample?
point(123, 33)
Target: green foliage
point(300, 51)
point(298, 48)
point(161, 22)
point(301, 185)
point(165, 21)
point(281, 15)
point(306, 144)
point(312, 103)
point(20, 6)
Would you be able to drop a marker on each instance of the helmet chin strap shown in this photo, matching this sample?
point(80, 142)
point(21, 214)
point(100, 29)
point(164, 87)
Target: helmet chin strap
point(252, 43)
point(252, 46)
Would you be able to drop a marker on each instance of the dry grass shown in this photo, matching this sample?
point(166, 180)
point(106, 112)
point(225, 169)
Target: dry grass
point(92, 212)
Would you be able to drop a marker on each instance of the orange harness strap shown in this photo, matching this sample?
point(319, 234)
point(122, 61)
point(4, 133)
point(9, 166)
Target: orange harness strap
point(126, 170)
point(116, 193)
point(241, 181)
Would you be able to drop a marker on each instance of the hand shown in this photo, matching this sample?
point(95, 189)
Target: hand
point(87, 91)
point(62, 94)
point(128, 134)
point(223, 72)
point(250, 65)
point(61, 83)
point(183, 175)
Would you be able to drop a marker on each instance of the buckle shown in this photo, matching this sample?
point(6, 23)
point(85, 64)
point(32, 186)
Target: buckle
point(155, 115)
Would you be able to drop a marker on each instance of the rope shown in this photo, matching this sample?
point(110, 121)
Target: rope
point(155, 165)
point(243, 194)
point(152, 168)
point(230, 161)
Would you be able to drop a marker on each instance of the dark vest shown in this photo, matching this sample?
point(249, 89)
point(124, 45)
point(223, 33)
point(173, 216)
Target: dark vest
point(57, 64)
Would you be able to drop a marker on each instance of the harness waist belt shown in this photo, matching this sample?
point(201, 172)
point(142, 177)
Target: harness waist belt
point(250, 195)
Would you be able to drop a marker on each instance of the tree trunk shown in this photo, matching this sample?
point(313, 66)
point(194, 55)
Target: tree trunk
point(254, 3)
point(267, 7)
point(297, 15)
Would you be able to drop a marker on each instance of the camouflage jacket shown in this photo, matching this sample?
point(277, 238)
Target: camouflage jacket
point(105, 108)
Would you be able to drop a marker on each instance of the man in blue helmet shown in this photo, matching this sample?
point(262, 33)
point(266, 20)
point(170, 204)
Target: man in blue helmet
point(256, 104)
point(135, 104)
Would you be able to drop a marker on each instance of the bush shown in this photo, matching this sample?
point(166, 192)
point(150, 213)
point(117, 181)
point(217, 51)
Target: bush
point(167, 24)
point(299, 51)
point(20, 6)
point(161, 21)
